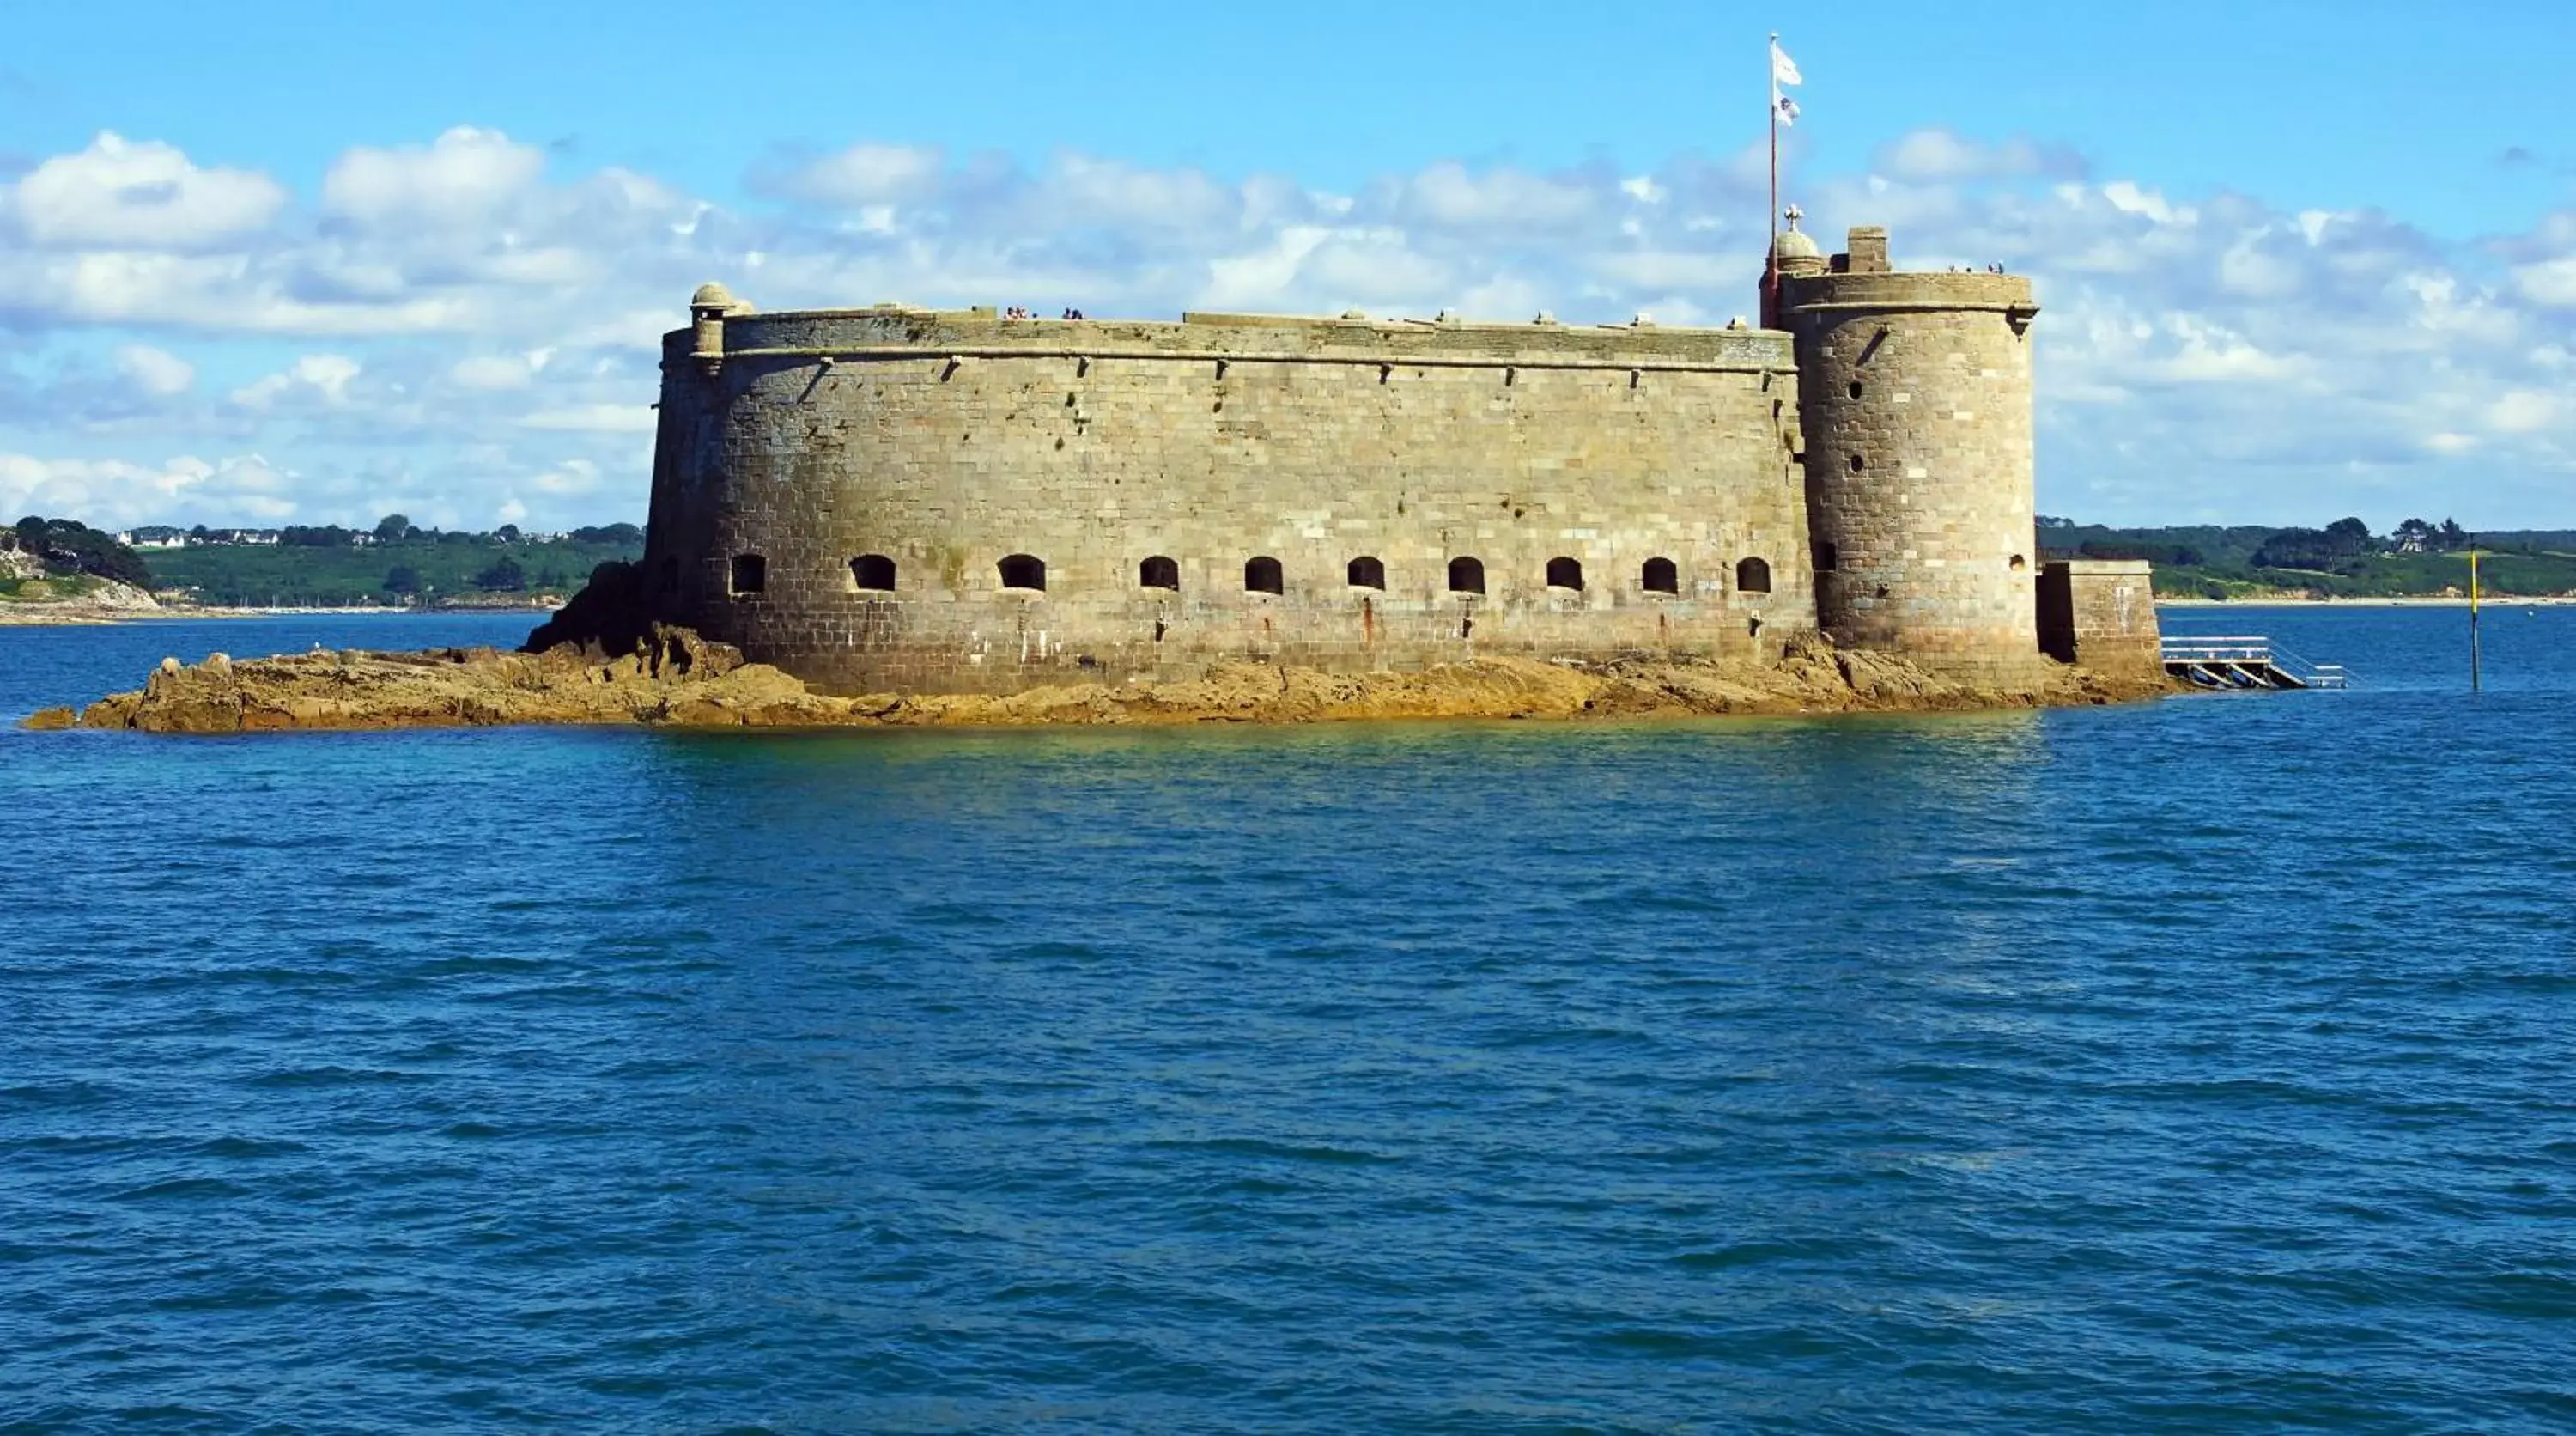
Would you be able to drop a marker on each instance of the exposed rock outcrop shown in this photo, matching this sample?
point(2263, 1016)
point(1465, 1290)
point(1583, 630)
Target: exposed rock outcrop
point(607, 619)
point(675, 678)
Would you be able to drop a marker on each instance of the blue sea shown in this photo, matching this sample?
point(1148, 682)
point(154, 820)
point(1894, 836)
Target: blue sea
point(2198, 1066)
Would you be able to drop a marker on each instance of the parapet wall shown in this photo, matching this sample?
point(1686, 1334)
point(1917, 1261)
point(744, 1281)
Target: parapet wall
point(1608, 491)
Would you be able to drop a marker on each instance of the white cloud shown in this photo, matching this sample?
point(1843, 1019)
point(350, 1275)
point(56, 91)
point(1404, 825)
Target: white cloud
point(495, 372)
point(112, 493)
point(323, 377)
point(156, 372)
point(2527, 411)
point(1450, 196)
point(459, 179)
point(594, 419)
point(2550, 281)
point(1937, 156)
point(119, 194)
point(863, 174)
point(572, 476)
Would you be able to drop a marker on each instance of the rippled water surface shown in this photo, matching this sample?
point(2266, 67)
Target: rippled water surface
point(2195, 1066)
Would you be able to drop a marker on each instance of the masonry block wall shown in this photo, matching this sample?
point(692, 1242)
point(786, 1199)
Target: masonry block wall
point(1919, 463)
point(2101, 613)
point(863, 497)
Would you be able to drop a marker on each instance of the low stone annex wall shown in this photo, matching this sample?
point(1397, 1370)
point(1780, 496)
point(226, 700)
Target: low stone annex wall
point(861, 497)
point(2101, 613)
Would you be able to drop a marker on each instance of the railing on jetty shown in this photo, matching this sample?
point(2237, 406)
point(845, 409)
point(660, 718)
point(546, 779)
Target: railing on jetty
point(2245, 662)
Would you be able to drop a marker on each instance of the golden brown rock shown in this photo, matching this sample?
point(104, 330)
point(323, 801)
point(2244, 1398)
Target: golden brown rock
point(681, 680)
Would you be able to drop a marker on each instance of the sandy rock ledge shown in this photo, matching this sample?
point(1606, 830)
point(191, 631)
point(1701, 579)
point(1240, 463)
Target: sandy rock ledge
point(680, 680)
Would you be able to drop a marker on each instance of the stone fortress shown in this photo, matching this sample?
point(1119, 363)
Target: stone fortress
point(896, 499)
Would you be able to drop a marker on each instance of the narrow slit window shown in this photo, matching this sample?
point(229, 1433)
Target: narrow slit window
point(872, 573)
point(1753, 576)
point(1826, 557)
point(1261, 575)
point(1466, 575)
point(748, 574)
point(1661, 576)
point(1565, 573)
point(1367, 572)
point(1023, 571)
point(1159, 572)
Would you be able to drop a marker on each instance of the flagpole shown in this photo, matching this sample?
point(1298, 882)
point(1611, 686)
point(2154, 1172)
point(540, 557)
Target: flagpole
point(1771, 247)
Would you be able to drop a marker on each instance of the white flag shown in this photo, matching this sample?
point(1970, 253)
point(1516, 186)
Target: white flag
point(1788, 111)
point(1784, 71)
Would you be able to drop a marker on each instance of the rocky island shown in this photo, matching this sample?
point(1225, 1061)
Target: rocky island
point(673, 678)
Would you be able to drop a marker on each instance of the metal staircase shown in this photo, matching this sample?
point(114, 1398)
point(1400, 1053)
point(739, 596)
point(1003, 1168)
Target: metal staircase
point(2245, 662)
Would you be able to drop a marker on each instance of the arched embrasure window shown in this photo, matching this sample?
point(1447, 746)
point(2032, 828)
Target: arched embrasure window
point(1564, 573)
point(1825, 556)
point(1023, 571)
point(1753, 576)
point(747, 574)
point(1159, 572)
point(1367, 572)
point(2019, 563)
point(1466, 575)
point(1261, 575)
point(873, 572)
point(1661, 576)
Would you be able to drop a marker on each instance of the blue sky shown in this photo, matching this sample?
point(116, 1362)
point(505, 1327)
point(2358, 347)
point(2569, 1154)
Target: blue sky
point(280, 260)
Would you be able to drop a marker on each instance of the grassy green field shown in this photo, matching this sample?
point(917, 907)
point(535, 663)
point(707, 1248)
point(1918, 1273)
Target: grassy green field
point(52, 588)
point(332, 577)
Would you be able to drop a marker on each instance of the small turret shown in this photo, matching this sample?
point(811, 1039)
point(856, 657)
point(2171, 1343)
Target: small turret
point(1793, 256)
point(707, 310)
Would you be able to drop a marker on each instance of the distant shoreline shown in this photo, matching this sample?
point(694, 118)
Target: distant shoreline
point(2492, 600)
point(78, 616)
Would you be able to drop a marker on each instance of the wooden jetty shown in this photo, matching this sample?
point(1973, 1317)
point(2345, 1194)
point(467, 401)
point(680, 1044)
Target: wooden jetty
point(2244, 662)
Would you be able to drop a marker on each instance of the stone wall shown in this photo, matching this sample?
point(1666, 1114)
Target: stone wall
point(2101, 613)
point(950, 442)
point(1919, 465)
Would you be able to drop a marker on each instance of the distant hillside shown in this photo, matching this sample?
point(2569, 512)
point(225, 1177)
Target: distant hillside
point(449, 568)
point(2342, 560)
point(51, 563)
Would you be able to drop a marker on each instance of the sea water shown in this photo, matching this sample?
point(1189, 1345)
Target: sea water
point(2199, 1065)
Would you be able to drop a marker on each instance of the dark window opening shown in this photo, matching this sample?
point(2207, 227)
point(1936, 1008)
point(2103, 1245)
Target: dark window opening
point(749, 574)
point(1261, 575)
point(1564, 573)
point(1159, 572)
point(1825, 556)
point(1856, 464)
point(1855, 388)
point(1753, 576)
point(2019, 563)
point(873, 571)
point(1661, 576)
point(1466, 575)
point(1022, 571)
point(1367, 573)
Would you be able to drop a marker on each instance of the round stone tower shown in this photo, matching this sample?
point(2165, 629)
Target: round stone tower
point(1914, 392)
